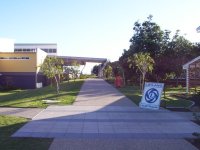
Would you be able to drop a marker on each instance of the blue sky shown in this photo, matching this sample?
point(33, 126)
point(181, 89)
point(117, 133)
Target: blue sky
point(93, 28)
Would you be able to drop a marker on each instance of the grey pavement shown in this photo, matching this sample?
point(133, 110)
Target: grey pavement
point(103, 118)
point(97, 92)
point(20, 112)
point(121, 144)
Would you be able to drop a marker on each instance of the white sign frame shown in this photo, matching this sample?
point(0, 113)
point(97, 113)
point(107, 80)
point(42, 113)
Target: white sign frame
point(151, 95)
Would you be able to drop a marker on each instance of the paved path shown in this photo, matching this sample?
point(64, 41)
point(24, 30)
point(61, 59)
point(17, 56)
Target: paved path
point(102, 118)
point(100, 93)
point(20, 112)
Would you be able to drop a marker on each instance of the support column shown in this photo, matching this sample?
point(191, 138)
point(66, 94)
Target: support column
point(187, 81)
point(101, 68)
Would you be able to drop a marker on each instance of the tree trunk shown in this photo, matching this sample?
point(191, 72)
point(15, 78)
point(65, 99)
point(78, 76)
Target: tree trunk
point(143, 80)
point(57, 85)
point(123, 78)
point(141, 83)
point(164, 91)
point(176, 81)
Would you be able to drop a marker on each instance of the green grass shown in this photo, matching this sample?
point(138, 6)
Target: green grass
point(8, 125)
point(173, 100)
point(34, 97)
point(134, 94)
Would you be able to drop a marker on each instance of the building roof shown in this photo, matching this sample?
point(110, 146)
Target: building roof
point(186, 66)
point(19, 44)
point(68, 59)
point(35, 45)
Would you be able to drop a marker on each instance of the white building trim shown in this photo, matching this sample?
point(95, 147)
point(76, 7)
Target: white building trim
point(187, 67)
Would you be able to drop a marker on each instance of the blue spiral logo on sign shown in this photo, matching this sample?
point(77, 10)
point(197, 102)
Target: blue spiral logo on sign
point(151, 95)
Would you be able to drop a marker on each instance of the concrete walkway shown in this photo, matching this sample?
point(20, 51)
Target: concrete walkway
point(103, 118)
point(20, 112)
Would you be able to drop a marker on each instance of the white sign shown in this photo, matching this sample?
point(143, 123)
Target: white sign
point(151, 96)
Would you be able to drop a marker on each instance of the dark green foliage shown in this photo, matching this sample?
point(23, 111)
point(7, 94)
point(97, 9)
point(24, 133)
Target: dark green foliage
point(95, 70)
point(168, 53)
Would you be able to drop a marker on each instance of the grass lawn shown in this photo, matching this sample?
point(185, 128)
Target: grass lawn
point(134, 94)
point(34, 97)
point(8, 125)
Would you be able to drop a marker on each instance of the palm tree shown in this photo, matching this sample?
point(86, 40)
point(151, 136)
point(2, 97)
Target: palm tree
point(144, 62)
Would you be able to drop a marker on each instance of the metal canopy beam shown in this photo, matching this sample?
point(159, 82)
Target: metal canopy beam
point(82, 60)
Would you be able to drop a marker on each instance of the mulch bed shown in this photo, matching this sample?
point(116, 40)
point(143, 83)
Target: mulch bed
point(195, 142)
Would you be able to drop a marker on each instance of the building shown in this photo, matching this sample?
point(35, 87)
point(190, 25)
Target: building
point(22, 69)
point(49, 48)
point(192, 73)
point(20, 63)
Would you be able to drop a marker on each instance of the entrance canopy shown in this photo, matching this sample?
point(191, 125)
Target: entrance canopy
point(81, 60)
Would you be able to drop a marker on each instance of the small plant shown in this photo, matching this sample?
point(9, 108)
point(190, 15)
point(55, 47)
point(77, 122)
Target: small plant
point(180, 86)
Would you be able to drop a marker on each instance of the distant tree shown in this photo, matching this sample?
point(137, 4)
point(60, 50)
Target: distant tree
point(52, 68)
point(108, 71)
point(117, 69)
point(95, 70)
point(73, 69)
point(144, 62)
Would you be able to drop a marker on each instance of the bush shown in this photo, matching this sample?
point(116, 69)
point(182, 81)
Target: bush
point(83, 76)
point(110, 80)
point(1, 88)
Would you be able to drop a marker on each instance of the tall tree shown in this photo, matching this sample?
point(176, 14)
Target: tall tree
point(147, 37)
point(53, 68)
point(144, 62)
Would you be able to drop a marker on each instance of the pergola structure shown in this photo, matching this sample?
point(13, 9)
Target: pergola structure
point(192, 73)
point(82, 61)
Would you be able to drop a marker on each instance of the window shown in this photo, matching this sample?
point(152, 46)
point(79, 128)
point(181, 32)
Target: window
point(54, 50)
point(18, 50)
point(14, 58)
point(50, 50)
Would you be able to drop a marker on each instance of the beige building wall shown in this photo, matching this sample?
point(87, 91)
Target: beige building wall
point(17, 64)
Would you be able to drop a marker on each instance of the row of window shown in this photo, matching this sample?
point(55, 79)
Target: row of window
point(50, 50)
point(14, 58)
point(34, 50)
point(25, 50)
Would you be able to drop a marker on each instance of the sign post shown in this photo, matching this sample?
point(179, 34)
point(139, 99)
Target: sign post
point(151, 95)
